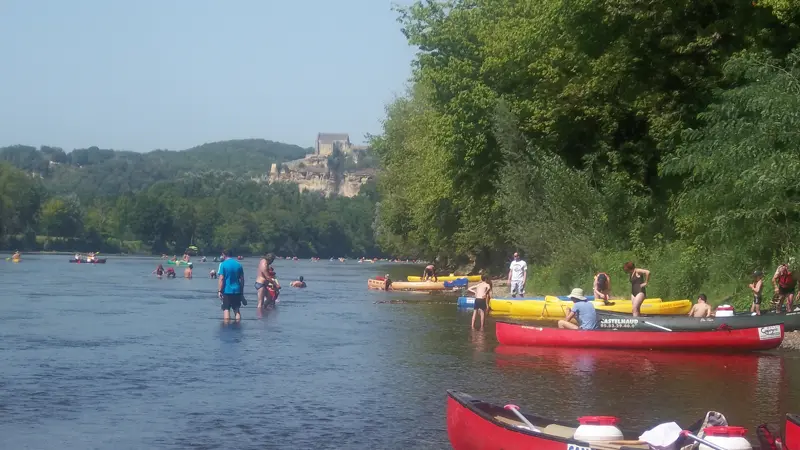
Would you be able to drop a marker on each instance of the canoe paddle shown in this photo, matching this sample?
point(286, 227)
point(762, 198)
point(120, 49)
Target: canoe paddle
point(656, 326)
point(700, 440)
point(515, 410)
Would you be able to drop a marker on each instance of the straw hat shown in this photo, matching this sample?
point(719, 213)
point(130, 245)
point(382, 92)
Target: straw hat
point(577, 294)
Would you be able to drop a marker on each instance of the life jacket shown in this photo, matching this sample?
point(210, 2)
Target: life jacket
point(786, 279)
point(602, 281)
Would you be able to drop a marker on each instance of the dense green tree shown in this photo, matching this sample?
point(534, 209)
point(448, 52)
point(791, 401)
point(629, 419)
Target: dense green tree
point(740, 167)
point(20, 199)
point(61, 217)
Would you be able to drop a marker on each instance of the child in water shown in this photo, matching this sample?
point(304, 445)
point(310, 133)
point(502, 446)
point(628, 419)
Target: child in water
point(159, 271)
point(755, 286)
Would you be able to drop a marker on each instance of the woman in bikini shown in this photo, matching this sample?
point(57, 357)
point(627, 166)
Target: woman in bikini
point(639, 279)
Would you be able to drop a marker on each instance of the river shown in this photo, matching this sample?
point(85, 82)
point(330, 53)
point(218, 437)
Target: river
point(108, 356)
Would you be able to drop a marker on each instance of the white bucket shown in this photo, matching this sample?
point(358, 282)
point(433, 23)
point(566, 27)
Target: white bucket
point(729, 438)
point(598, 428)
point(724, 311)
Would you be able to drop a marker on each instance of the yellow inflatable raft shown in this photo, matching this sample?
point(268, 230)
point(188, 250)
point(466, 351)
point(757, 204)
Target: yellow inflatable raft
point(407, 286)
point(451, 277)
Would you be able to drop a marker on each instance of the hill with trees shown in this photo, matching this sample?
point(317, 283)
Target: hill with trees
point(112, 201)
point(93, 172)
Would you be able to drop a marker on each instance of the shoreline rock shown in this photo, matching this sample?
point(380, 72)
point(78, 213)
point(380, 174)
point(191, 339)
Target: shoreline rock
point(791, 341)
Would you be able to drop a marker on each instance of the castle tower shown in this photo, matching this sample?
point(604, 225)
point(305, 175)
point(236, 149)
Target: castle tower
point(273, 171)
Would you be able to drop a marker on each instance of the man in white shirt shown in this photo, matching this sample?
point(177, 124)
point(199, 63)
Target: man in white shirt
point(517, 275)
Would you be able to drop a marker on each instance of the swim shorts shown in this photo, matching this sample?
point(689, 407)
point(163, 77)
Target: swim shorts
point(232, 301)
point(480, 303)
point(785, 290)
point(756, 299)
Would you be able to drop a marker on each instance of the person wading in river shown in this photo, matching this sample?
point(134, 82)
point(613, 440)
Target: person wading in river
point(264, 279)
point(639, 279)
point(483, 293)
point(231, 286)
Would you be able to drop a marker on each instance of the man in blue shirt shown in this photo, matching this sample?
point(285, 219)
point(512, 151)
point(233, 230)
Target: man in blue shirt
point(231, 285)
point(582, 311)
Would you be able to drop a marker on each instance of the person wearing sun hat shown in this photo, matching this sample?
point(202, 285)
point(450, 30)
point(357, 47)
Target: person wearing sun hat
point(582, 311)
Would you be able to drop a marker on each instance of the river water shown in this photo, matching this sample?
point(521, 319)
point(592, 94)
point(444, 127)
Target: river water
point(109, 357)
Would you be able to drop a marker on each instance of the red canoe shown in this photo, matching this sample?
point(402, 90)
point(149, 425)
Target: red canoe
point(473, 424)
point(745, 339)
point(792, 441)
point(476, 425)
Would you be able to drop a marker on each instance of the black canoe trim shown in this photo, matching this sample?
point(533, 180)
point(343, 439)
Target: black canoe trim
point(624, 322)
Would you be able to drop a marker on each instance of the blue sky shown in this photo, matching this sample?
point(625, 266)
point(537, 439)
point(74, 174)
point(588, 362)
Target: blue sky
point(145, 74)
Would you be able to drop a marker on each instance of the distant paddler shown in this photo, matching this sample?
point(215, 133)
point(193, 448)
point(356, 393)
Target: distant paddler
point(429, 273)
point(15, 257)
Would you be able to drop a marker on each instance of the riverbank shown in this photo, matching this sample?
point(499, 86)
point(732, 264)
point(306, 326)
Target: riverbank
point(791, 341)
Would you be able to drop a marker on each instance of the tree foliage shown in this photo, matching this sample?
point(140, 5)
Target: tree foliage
point(94, 172)
point(591, 128)
point(166, 211)
point(740, 168)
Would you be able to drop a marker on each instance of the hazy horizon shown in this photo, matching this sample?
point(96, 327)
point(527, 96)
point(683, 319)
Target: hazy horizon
point(174, 75)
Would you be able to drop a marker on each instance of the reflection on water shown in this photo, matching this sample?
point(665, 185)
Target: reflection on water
point(100, 357)
point(641, 386)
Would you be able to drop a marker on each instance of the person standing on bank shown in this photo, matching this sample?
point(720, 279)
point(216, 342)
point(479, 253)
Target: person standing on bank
point(756, 286)
point(784, 283)
point(231, 285)
point(639, 279)
point(517, 276)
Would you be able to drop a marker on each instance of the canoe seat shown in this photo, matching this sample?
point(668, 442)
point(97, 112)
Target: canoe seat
point(559, 431)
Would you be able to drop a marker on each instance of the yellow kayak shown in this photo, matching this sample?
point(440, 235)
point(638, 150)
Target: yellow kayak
point(470, 278)
point(504, 305)
point(554, 308)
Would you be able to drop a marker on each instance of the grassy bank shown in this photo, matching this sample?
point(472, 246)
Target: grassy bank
point(677, 272)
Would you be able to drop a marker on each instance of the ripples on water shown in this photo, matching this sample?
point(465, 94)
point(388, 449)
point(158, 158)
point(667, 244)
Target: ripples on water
point(109, 357)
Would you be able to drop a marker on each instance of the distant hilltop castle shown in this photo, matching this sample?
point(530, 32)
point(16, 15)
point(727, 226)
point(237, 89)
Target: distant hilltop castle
point(326, 142)
point(312, 173)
